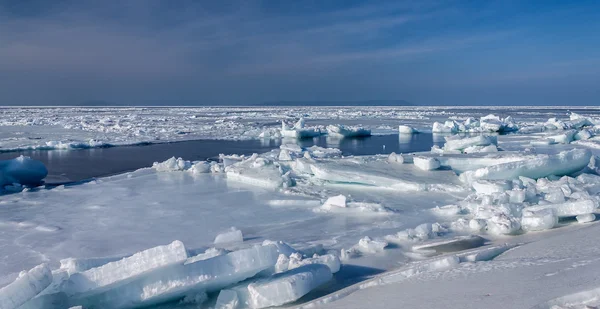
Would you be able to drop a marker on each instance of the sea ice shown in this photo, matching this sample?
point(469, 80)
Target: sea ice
point(227, 299)
point(25, 287)
point(564, 163)
point(402, 129)
point(570, 208)
point(139, 263)
point(172, 164)
point(281, 288)
point(178, 280)
point(585, 218)
point(457, 143)
point(230, 236)
point(543, 219)
point(22, 170)
point(395, 158)
point(426, 163)
point(347, 131)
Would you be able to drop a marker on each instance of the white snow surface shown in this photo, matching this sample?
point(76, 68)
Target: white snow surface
point(513, 228)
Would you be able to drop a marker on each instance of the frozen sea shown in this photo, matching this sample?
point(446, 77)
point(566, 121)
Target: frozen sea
point(474, 211)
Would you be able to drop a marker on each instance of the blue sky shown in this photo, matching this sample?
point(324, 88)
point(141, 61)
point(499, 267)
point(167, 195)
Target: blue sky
point(428, 52)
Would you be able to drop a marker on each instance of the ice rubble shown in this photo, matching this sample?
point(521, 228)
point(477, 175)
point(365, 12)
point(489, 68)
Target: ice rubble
point(347, 131)
point(177, 280)
point(299, 130)
point(165, 274)
point(22, 170)
point(524, 204)
point(489, 123)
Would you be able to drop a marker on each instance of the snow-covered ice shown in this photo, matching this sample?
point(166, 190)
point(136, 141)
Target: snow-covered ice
point(486, 216)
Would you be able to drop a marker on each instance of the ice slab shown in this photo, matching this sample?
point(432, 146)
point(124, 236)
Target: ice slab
point(227, 299)
point(543, 219)
point(426, 163)
point(402, 129)
point(569, 209)
point(178, 280)
point(454, 143)
point(139, 263)
point(75, 265)
point(564, 163)
point(258, 171)
point(230, 236)
point(347, 131)
point(25, 287)
point(585, 218)
point(22, 170)
point(284, 287)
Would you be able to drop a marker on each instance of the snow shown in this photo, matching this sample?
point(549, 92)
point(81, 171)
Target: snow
point(22, 170)
point(230, 236)
point(25, 287)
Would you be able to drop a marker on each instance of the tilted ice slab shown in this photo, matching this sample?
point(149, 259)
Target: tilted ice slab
point(564, 163)
point(175, 281)
point(139, 263)
point(25, 287)
point(22, 170)
point(378, 173)
point(282, 288)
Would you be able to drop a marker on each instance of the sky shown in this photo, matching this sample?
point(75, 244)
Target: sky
point(427, 52)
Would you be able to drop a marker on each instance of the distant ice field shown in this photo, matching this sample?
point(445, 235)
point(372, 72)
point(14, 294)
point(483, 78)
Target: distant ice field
point(85, 127)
